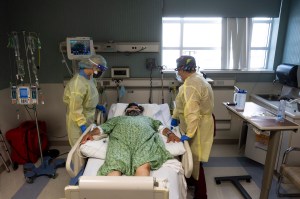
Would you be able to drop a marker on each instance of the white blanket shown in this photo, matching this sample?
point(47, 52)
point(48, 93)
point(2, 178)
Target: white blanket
point(171, 171)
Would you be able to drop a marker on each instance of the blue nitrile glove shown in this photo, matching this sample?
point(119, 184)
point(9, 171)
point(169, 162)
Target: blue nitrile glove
point(184, 138)
point(101, 108)
point(174, 123)
point(83, 128)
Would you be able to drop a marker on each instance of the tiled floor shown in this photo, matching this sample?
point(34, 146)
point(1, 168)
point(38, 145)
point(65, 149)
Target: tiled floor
point(225, 160)
point(13, 184)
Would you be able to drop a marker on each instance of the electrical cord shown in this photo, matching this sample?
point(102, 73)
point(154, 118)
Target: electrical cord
point(150, 97)
point(26, 108)
point(65, 62)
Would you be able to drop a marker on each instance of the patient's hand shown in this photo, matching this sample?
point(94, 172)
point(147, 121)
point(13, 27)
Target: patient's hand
point(173, 138)
point(89, 135)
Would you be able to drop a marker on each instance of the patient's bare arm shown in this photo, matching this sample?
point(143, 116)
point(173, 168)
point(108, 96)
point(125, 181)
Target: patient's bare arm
point(89, 135)
point(170, 135)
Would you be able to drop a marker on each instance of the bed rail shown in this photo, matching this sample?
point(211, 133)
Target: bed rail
point(187, 160)
point(75, 161)
point(119, 187)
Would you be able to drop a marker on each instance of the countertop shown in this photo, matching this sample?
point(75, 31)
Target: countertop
point(261, 118)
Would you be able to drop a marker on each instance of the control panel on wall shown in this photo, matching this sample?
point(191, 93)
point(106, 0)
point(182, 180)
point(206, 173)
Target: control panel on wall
point(120, 72)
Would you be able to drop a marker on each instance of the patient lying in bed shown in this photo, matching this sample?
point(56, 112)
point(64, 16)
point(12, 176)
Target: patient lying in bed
point(134, 146)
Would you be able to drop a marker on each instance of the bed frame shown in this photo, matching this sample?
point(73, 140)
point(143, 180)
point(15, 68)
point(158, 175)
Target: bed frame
point(117, 187)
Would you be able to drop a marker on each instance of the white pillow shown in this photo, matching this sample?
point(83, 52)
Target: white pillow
point(119, 109)
point(175, 148)
point(163, 114)
point(150, 109)
point(95, 148)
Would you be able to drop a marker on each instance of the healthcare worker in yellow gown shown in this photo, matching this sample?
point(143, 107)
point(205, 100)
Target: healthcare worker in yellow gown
point(193, 113)
point(81, 96)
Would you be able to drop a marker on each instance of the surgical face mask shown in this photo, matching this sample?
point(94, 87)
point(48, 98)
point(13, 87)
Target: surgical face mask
point(178, 77)
point(97, 74)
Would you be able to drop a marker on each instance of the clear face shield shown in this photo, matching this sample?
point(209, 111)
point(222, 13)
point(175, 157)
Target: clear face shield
point(97, 74)
point(100, 69)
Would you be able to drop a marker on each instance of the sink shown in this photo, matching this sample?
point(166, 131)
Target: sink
point(270, 97)
point(274, 97)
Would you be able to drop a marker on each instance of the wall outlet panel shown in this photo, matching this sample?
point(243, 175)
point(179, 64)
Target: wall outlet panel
point(138, 47)
point(142, 47)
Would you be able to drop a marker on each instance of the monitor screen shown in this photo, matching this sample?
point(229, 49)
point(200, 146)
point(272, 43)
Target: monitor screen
point(23, 92)
point(79, 47)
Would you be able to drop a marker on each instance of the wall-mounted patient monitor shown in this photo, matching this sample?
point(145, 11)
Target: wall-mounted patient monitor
point(79, 47)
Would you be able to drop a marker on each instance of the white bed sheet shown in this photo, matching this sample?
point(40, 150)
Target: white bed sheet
point(175, 180)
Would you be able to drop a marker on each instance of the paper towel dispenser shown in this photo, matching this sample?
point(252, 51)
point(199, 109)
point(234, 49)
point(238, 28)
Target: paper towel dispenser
point(288, 74)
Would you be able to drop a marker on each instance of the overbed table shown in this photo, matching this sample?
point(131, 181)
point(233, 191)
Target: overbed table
point(254, 114)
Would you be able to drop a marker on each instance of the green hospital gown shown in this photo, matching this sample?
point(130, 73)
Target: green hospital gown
point(133, 141)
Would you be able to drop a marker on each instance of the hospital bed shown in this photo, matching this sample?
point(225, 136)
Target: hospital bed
point(168, 182)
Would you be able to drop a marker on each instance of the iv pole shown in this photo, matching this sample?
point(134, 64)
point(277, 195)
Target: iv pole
point(30, 171)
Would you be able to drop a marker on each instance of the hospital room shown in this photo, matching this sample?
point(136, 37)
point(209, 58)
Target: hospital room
point(160, 99)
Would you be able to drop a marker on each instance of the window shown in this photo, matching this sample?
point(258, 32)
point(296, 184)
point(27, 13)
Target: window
point(217, 43)
point(260, 43)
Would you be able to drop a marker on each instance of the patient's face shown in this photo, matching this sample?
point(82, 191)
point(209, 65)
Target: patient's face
point(133, 111)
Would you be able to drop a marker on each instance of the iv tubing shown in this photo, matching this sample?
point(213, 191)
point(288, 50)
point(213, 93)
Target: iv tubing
point(29, 74)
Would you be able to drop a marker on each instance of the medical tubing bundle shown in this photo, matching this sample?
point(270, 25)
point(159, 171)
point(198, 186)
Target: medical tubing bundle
point(172, 97)
point(13, 42)
point(150, 96)
point(33, 44)
point(65, 61)
point(27, 60)
point(103, 96)
point(117, 82)
point(162, 84)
